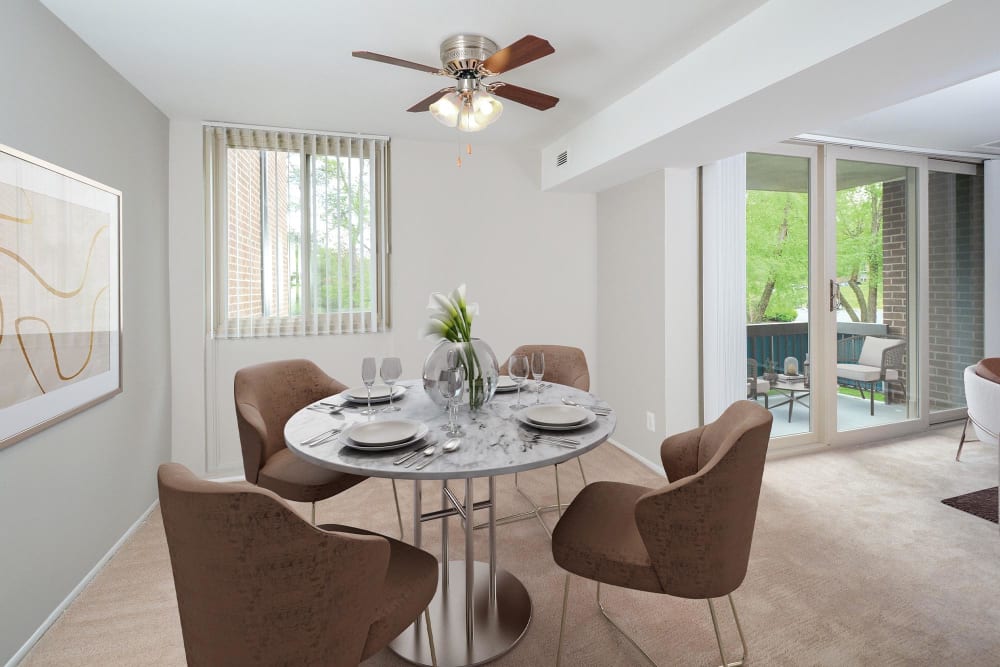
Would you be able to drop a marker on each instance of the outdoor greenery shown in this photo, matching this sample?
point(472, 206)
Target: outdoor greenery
point(341, 253)
point(778, 253)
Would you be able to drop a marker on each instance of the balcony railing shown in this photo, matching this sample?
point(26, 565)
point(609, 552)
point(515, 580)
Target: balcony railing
point(779, 340)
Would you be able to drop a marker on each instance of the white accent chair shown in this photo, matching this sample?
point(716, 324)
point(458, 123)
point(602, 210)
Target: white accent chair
point(880, 361)
point(983, 398)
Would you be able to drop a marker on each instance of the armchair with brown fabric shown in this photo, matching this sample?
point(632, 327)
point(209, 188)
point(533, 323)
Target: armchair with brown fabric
point(690, 538)
point(257, 585)
point(266, 396)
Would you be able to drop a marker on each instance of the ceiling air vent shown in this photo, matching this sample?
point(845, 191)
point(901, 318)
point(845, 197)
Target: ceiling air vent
point(562, 158)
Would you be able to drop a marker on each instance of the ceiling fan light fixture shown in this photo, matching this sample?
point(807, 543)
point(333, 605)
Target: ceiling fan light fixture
point(446, 110)
point(486, 107)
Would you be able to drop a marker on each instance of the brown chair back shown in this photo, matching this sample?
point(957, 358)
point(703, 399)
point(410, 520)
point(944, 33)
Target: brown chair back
point(258, 585)
point(698, 528)
point(267, 395)
point(563, 364)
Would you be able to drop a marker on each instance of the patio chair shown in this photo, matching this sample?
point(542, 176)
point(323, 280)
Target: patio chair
point(756, 385)
point(880, 360)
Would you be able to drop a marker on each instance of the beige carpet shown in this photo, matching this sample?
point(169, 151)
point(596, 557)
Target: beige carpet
point(855, 562)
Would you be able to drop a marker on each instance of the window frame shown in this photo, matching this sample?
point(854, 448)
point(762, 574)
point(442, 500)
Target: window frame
point(375, 149)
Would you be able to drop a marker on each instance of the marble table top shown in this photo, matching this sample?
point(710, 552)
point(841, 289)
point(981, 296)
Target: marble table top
point(490, 445)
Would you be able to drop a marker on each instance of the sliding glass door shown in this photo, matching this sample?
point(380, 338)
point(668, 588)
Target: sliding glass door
point(864, 289)
point(779, 214)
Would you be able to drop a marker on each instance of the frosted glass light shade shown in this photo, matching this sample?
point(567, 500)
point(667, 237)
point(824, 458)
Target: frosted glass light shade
point(446, 109)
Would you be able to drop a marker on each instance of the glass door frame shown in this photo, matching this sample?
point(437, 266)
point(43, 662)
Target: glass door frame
point(825, 362)
point(813, 153)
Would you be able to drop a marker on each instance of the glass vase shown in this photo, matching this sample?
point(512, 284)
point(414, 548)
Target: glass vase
point(478, 364)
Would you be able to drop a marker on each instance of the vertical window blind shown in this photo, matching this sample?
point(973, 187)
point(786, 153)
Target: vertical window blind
point(300, 230)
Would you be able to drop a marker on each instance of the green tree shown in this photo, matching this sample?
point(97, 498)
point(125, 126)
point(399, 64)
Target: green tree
point(859, 250)
point(341, 232)
point(777, 254)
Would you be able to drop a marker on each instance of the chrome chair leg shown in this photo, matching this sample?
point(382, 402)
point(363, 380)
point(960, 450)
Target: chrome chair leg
point(961, 443)
point(718, 634)
point(600, 605)
point(562, 622)
point(430, 637)
point(715, 626)
point(314, 512)
point(399, 515)
point(536, 510)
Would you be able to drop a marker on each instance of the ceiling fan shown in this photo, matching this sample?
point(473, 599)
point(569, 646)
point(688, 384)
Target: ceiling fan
point(470, 104)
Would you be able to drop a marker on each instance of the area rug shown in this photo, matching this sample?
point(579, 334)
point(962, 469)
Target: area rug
point(980, 503)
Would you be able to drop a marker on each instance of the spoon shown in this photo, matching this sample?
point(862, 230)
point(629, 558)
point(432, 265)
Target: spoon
point(449, 446)
point(427, 452)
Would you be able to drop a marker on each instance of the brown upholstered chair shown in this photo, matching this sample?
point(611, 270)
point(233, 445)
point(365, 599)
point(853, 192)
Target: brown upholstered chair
point(267, 395)
point(257, 585)
point(690, 538)
point(563, 365)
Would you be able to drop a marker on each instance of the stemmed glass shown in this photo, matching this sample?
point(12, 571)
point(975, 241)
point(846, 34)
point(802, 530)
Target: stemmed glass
point(517, 369)
point(368, 377)
point(451, 384)
point(392, 368)
point(537, 371)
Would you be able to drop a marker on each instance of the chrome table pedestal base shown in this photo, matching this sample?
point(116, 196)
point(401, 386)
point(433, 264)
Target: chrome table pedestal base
point(498, 625)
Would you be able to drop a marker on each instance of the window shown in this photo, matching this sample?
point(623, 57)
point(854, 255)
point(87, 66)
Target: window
point(300, 232)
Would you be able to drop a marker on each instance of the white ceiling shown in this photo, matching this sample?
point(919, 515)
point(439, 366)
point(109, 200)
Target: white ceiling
point(289, 64)
point(962, 117)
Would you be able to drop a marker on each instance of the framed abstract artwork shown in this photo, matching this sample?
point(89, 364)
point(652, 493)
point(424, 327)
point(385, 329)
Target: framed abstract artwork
point(60, 294)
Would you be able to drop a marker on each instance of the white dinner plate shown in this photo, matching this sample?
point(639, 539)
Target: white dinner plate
point(504, 383)
point(591, 418)
point(421, 439)
point(387, 432)
point(380, 394)
point(555, 415)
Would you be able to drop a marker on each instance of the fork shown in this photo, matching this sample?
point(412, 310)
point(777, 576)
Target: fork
point(545, 441)
point(320, 437)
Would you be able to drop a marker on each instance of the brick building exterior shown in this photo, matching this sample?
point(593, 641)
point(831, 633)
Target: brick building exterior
point(245, 271)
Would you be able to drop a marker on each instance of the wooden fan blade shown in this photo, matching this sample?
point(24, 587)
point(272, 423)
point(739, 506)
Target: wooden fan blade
point(389, 60)
point(425, 104)
point(521, 52)
point(525, 96)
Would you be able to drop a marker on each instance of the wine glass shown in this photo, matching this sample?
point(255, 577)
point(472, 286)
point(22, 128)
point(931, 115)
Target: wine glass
point(451, 384)
point(392, 368)
point(517, 369)
point(368, 377)
point(537, 371)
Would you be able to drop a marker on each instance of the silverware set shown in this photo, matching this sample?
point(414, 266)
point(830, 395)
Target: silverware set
point(596, 409)
point(328, 408)
point(322, 437)
point(568, 443)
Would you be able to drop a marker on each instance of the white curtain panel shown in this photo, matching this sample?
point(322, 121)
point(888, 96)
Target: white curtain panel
point(724, 284)
point(991, 242)
point(300, 232)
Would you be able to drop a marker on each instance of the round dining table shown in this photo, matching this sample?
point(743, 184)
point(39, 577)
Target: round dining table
point(480, 611)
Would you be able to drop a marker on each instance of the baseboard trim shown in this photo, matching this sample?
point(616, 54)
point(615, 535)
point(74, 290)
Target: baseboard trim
point(57, 612)
point(655, 467)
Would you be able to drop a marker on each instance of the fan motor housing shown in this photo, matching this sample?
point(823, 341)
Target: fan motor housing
point(462, 53)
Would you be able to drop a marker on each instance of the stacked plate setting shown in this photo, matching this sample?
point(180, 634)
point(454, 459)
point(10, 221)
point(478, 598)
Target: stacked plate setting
point(382, 436)
point(556, 417)
point(380, 394)
point(504, 383)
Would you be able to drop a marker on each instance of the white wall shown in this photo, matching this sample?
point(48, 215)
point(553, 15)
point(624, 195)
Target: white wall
point(648, 296)
point(528, 258)
point(68, 493)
